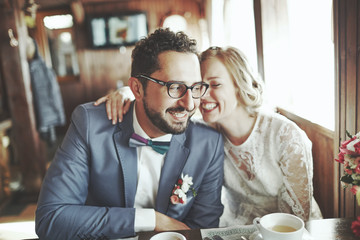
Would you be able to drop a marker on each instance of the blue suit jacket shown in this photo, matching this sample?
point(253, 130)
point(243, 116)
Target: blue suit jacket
point(89, 189)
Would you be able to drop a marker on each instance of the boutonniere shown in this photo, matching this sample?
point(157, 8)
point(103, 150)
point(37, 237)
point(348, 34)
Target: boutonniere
point(182, 186)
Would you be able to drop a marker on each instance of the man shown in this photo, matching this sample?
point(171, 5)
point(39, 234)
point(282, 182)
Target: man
point(100, 186)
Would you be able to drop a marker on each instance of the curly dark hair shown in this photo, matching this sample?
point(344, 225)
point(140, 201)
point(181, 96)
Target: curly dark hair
point(145, 54)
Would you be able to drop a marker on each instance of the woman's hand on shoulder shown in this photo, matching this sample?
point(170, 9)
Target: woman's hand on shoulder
point(117, 103)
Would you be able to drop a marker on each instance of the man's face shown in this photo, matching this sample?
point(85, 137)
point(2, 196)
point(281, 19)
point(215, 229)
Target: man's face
point(163, 114)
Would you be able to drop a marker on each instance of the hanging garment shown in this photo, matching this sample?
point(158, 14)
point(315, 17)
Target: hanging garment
point(48, 102)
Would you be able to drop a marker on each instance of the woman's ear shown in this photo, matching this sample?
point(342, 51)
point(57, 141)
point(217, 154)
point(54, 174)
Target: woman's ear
point(136, 87)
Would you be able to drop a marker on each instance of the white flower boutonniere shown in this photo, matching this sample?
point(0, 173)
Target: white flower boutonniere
point(182, 186)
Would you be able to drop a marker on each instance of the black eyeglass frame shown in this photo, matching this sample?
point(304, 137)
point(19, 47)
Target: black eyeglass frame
point(168, 85)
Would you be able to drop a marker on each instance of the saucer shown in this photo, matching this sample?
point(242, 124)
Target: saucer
point(257, 236)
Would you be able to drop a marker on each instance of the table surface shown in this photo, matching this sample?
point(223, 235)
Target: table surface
point(332, 228)
point(329, 229)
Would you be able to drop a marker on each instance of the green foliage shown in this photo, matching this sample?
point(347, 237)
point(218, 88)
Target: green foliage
point(346, 179)
point(348, 134)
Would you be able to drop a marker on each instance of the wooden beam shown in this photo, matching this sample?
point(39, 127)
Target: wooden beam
point(259, 38)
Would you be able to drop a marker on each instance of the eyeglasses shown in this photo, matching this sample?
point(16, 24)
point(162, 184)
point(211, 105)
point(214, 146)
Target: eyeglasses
point(178, 89)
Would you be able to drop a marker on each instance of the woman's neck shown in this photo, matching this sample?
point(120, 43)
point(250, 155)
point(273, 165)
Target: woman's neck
point(238, 127)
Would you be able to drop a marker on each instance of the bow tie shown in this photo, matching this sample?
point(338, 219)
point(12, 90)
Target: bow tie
point(138, 141)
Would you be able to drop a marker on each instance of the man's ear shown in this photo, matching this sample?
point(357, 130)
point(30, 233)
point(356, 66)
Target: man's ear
point(136, 87)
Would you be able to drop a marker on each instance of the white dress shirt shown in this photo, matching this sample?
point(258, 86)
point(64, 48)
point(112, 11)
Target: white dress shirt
point(149, 170)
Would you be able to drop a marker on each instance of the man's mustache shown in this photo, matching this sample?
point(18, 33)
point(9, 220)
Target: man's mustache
point(179, 109)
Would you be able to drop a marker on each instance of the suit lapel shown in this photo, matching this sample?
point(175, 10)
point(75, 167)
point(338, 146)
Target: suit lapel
point(127, 157)
point(174, 163)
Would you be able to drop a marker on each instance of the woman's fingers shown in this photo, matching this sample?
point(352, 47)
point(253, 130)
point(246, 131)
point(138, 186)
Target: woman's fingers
point(117, 104)
point(101, 100)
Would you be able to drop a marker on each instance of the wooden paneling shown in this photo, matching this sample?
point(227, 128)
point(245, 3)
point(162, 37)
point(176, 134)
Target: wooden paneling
point(259, 37)
point(323, 161)
point(14, 69)
point(347, 40)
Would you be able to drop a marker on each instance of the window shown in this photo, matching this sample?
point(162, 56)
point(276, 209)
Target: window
point(62, 48)
point(55, 34)
point(298, 51)
point(299, 71)
point(233, 24)
point(113, 31)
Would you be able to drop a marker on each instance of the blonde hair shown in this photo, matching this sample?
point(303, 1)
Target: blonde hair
point(249, 87)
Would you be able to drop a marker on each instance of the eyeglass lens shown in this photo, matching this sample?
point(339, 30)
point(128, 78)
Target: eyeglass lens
point(177, 90)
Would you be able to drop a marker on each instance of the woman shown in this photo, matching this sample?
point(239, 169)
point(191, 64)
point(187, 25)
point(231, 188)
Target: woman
point(268, 161)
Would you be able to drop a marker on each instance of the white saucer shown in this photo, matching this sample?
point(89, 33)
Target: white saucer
point(257, 236)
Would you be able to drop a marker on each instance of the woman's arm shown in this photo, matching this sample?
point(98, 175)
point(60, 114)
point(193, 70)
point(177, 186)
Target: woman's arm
point(295, 196)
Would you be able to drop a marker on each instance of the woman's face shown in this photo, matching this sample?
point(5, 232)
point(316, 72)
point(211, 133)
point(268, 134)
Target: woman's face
point(220, 100)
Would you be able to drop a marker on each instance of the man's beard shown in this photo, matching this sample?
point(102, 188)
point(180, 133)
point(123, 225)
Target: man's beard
point(162, 124)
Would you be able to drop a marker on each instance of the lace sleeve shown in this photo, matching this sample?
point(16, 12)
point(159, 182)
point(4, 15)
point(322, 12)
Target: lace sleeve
point(295, 195)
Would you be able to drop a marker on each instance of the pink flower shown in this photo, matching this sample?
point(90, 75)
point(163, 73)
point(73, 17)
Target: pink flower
point(345, 143)
point(348, 171)
point(347, 146)
point(354, 189)
point(351, 147)
point(175, 188)
point(357, 160)
point(340, 158)
point(355, 227)
point(357, 147)
point(357, 169)
point(174, 199)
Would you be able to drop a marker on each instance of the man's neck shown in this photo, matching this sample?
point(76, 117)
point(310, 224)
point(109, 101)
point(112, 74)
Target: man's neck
point(145, 123)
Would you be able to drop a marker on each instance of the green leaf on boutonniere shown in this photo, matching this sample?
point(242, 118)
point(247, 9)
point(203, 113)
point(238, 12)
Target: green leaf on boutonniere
point(194, 192)
point(346, 179)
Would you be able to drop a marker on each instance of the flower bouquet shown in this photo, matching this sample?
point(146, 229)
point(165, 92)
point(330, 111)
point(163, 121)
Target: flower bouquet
point(349, 155)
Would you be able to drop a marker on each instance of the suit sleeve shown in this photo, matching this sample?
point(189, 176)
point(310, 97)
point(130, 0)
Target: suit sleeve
point(62, 212)
point(207, 207)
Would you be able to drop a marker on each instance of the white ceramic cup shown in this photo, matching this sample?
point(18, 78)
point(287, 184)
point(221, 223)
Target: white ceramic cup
point(284, 221)
point(168, 236)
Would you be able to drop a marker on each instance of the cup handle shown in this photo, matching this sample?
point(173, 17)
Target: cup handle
point(256, 222)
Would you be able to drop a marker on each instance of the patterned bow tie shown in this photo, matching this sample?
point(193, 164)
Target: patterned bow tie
point(138, 141)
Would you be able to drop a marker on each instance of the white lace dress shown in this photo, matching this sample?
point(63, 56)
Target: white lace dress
point(270, 172)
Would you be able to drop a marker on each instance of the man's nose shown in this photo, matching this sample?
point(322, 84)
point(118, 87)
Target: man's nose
point(187, 101)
